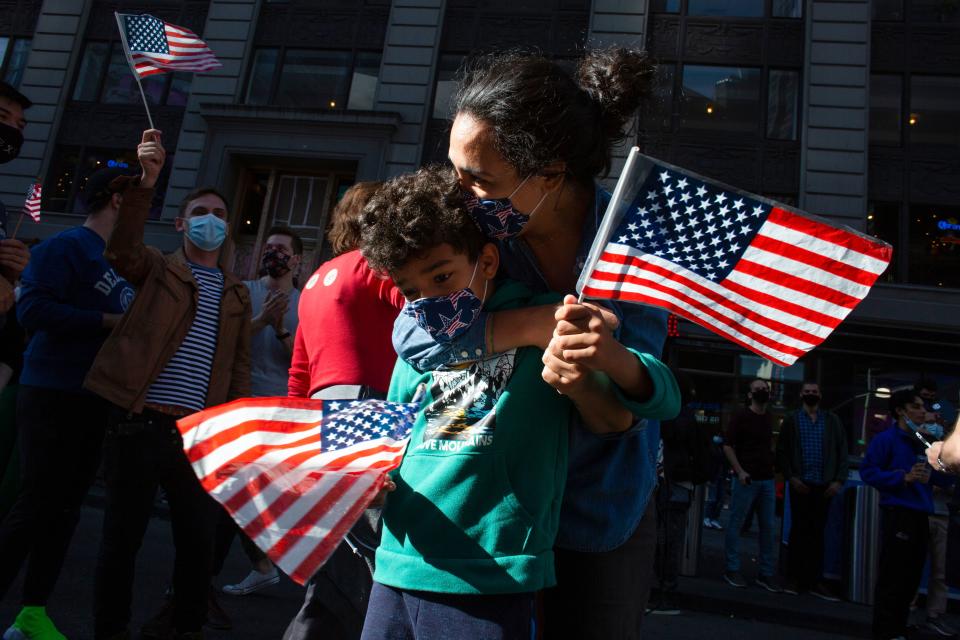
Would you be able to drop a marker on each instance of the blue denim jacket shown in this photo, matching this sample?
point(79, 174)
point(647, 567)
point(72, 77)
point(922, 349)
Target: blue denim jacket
point(610, 478)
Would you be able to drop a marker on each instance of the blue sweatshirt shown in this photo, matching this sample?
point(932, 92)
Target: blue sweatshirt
point(889, 458)
point(65, 290)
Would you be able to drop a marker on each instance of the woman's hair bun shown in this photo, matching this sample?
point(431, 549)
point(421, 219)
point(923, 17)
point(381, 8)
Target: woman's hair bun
point(618, 80)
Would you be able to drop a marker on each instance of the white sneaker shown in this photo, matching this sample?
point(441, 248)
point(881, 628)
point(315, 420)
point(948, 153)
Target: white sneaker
point(255, 581)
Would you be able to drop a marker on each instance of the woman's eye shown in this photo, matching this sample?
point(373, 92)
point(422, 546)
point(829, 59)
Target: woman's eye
point(443, 277)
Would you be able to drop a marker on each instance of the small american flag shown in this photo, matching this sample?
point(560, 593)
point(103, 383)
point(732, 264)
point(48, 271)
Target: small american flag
point(774, 280)
point(32, 204)
point(296, 474)
point(154, 46)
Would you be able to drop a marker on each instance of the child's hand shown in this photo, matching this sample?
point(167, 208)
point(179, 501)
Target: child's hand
point(381, 497)
point(584, 336)
point(569, 378)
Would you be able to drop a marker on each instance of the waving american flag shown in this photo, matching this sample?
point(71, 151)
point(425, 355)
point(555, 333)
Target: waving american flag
point(770, 278)
point(296, 474)
point(154, 46)
point(31, 205)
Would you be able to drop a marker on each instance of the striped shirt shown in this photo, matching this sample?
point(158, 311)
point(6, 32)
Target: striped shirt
point(184, 381)
point(811, 445)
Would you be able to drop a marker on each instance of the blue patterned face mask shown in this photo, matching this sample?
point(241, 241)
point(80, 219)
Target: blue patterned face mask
point(497, 218)
point(447, 317)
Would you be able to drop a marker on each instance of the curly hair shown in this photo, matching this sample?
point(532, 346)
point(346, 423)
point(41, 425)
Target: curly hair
point(344, 232)
point(413, 213)
point(540, 114)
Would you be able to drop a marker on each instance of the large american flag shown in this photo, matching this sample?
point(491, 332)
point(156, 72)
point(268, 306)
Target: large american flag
point(32, 204)
point(154, 46)
point(296, 474)
point(772, 279)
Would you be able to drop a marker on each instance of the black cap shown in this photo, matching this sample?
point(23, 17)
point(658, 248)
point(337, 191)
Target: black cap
point(8, 91)
point(97, 190)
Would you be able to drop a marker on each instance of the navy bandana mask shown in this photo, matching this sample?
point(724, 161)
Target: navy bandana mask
point(497, 218)
point(445, 318)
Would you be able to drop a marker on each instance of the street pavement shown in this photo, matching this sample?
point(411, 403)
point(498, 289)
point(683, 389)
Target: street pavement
point(262, 616)
point(710, 608)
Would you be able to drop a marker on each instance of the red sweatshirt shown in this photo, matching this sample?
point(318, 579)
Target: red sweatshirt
point(346, 322)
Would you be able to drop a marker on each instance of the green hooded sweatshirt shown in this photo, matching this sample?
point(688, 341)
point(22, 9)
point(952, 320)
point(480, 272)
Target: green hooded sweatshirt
point(478, 495)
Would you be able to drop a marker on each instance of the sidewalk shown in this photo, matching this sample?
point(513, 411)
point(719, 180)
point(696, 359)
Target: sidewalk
point(708, 593)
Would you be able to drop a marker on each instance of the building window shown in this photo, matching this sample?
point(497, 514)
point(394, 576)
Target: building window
point(729, 8)
point(886, 96)
point(313, 78)
point(719, 99)
point(925, 240)
point(665, 6)
point(105, 76)
point(446, 85)
point(787, 9)
point(933, 110)
point(363, 84)
point(13, 59)
point(783, 99)
point(72, 166)
point(883, 221)
point(886, 9)
point(933, 247)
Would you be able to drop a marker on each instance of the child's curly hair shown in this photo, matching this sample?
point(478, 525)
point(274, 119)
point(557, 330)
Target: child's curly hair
point(413, 213)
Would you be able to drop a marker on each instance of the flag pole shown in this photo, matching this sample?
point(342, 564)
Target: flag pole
point(133, 68)
point(606, 225)
point(19, 222)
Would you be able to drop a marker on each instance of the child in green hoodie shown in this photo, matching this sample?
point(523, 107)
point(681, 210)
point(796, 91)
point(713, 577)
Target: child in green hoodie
point(468, 530)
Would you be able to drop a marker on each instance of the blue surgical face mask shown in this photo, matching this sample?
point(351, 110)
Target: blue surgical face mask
point(497, 218)
point(446, 317)
point(206, 232)
point(934, 429)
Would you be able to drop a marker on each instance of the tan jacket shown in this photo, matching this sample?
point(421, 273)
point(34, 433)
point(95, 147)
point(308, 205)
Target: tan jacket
point(161, 314)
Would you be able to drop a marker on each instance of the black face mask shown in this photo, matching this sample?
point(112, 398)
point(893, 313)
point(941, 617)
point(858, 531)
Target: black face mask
point(761, 396)
point(275, 263)
point(810, 399)
point(11, 140)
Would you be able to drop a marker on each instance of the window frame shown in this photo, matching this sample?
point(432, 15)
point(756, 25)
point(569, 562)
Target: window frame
point(675, 116)
point(684, 10)
point(103, 77)
point(353, 54)
point(8, 54)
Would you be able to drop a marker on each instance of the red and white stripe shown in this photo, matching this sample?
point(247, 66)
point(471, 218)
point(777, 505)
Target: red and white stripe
point(797, 280)
point(32, 204)
point(261, 458)
point(187, 53)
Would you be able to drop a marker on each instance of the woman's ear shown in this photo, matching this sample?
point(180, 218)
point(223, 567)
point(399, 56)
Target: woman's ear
point(489, 260)
point(553, 174)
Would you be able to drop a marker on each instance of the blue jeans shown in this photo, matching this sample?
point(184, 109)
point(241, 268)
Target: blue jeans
point(764, 492)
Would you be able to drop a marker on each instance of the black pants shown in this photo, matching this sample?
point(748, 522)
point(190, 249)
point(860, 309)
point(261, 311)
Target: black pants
point(226, 530)
point(673, 504)
point(903, 551)
point(808, 519)
point(143, 452)
point(60, 435)
point(603, 595)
